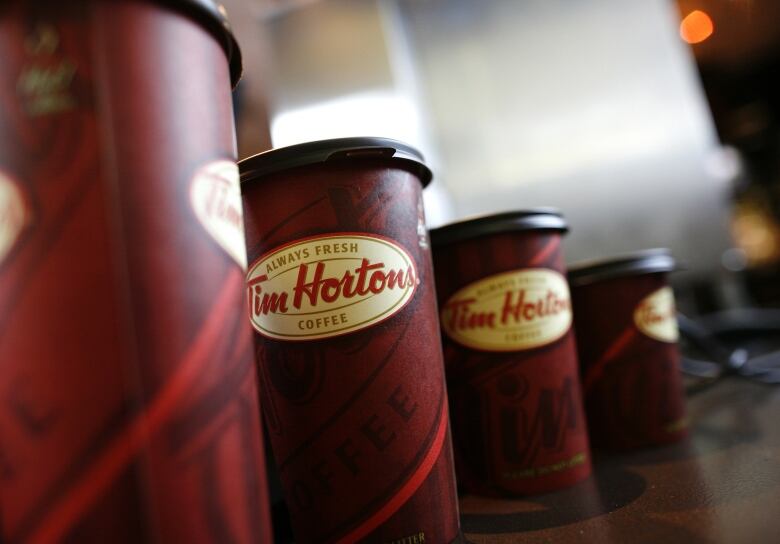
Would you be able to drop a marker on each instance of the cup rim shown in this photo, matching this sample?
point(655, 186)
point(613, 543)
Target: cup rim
point(333, 150)
point(497, 223)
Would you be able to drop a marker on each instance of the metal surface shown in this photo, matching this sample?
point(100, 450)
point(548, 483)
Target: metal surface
point(593, 107)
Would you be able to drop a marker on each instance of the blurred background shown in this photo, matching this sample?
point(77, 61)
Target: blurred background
point(649, 123)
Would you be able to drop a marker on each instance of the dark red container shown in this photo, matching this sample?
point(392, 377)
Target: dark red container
point(511, 362)
point(626, 327)
point(342, 298)
point(129, 405)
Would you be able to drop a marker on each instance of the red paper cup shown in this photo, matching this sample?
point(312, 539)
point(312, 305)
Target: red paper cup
point(511, 362)
point(342, 300)
point(130, 408)
point(626, 327)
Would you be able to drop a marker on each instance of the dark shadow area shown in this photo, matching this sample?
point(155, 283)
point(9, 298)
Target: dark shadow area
point(608, 490)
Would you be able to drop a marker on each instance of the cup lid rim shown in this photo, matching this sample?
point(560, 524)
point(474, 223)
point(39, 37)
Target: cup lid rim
point(496, 223)
point(213, 16)
point(647, 261)
point(335, 149)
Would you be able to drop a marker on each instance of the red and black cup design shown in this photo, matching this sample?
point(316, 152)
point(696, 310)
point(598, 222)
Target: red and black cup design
point(129, 405)
point(511, 362)
point(626, 327)
point(341, 296)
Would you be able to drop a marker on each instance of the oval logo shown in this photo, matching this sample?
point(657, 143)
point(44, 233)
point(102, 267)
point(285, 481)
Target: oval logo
point(215, 195)
point(511, 311)
point(656, 316)
point(13, 215)
point(329, 285)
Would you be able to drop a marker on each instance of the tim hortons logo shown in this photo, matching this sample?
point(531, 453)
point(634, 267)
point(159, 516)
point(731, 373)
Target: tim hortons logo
point(512, 311)
point(215, 196)
point(329, 285)
point(13, 215)
point(656, 316)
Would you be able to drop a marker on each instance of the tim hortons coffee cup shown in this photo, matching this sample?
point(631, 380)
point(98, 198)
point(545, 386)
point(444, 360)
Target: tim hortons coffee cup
point(511, 361)
point(626, 325)
point(129, 405)
point(343, 303)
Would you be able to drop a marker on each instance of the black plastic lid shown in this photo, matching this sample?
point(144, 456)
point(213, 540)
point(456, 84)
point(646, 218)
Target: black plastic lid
point(285, 158)
point(214, 17)
point(532, 219)
point(641, 262)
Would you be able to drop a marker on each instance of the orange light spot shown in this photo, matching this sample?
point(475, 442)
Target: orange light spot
point(696, 27)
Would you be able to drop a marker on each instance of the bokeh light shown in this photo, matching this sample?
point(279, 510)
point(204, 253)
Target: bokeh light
point(696, 27)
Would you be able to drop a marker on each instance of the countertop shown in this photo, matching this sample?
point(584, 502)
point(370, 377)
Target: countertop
point(722, 485)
